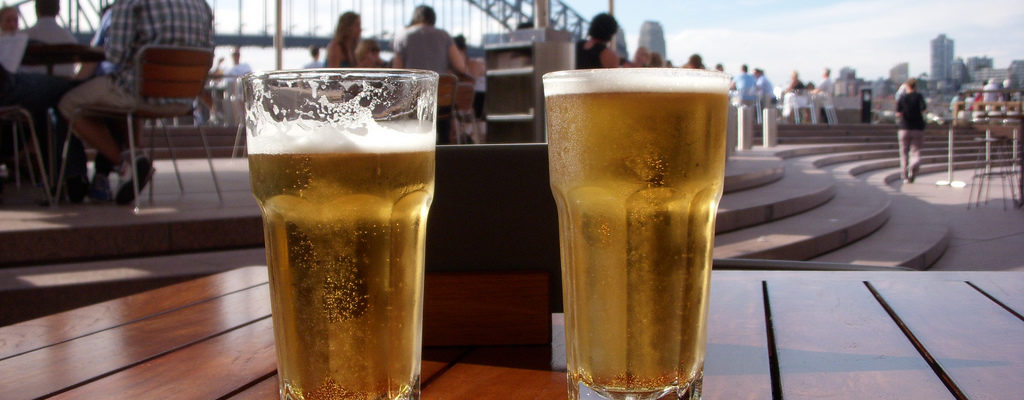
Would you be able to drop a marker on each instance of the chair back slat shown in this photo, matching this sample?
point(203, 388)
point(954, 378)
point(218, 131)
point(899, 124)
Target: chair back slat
point(173, 72)
point(445, 90)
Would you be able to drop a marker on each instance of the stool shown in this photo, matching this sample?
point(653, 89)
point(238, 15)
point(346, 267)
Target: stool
point(1000, 159)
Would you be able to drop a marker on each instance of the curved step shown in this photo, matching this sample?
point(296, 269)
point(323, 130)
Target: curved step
point(856, 210)
point(751, 170)
point(796, 192)
point(915, 236)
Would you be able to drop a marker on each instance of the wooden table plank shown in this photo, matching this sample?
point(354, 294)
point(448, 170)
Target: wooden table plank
point(978, 343)
point(1010, 292)
point(835, 341)
point(501, 373)
point(434, 361)
point(209, 369)
point(54, 368)
point(736, 365)
point(33, 334)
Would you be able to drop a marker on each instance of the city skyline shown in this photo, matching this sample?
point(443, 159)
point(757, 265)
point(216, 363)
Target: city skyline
point(869, 36)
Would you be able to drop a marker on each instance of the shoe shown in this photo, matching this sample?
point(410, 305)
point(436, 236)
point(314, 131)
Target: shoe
point(910, 180)
point(143, 170)
point(78, 187)
point(99, 191)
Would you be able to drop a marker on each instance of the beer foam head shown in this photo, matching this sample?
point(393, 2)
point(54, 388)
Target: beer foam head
point(610, 80)
point(340, 111)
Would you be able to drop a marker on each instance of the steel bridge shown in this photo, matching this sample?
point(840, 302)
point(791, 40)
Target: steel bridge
point(312, 22)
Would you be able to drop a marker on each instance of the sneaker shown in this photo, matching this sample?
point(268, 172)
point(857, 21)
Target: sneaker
point(99, 191)
point(143, 170)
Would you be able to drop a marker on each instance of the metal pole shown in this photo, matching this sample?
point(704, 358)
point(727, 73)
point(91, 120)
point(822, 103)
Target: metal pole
point(278, 36)
point(611, 7)
point(540, 14)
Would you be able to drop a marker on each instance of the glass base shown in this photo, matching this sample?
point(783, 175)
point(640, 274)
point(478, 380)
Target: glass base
point(689, 392)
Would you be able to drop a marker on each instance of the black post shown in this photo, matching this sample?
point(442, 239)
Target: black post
point(865, 106)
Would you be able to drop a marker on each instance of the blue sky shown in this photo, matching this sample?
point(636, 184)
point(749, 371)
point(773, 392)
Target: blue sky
point(780, 36)
point(784, 35)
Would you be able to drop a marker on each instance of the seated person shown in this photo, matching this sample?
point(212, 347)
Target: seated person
point(37, 93)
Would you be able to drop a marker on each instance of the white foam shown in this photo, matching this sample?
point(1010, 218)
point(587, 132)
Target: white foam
point(611, 80)
point(298, 138)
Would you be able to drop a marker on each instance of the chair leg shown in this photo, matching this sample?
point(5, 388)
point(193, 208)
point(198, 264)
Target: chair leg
point(59, 178)
point(174, 159)
point(17, 158)
point(209, 161)
point(135, 169)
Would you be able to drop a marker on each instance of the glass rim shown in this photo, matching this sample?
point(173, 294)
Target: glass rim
point(331, 73)
point(606, 80)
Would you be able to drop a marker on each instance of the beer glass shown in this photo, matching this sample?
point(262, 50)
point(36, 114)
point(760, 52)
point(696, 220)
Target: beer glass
point(342, 165)
point(637, 159)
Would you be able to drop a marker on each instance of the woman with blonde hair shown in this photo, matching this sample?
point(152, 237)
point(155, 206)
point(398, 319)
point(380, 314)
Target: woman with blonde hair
point(341, 51)
point(368, 54)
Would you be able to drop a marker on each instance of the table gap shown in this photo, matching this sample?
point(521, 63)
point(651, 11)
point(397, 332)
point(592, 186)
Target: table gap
point(445, 369)
point(129, 322)
point(155, 356)
point(946, 380)
point(773, 355)
point(1001, 304)
point(246, 386)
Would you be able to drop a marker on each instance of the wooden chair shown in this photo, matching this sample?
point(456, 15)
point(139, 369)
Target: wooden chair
point(21, 121)
point(445, 99)
point(167, 73)
point(465, 118)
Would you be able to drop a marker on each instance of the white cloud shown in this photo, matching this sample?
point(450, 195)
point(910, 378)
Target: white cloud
point(870, 36)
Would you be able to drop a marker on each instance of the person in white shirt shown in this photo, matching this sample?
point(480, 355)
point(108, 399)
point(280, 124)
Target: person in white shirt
point(826, 87)
point(46, 30)
point(240, 68)
point(989, 89)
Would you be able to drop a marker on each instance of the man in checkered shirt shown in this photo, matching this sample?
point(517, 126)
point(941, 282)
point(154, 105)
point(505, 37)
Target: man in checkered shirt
point(134, 24)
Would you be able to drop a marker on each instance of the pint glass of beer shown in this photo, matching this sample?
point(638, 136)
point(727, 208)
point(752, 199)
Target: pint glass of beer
point(342, 165)
point(637, 159)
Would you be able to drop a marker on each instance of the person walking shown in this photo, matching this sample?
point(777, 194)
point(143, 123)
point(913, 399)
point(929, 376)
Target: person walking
point(910, 110)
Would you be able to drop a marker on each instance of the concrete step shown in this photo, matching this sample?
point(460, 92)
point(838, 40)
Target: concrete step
point(856, 210)
point(915, 236)
point(796, 192)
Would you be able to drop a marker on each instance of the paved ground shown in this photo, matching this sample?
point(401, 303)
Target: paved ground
point(983, 238)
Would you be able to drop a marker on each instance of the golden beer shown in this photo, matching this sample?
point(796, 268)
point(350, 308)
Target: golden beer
point(636, 172)
point(342, 165)
point(344, 246)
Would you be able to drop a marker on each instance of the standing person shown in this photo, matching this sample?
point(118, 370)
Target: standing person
point(764, 87)
point(910, 109)
point(314, 54)
point(422, 46)
point(745, 86)
point(133, 25)
point(341, 51)
point(595, 52)
point(8, 20)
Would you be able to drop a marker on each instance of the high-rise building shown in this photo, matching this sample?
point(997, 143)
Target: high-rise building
point(652, 37)
point(976, 63)
point(1016, 74)
point(900, 73)
point(847, 83)
point(942, 59)
point(960, 73)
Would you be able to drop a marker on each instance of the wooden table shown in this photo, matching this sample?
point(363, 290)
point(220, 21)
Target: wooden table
point(53, 54)
point(772, 334)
